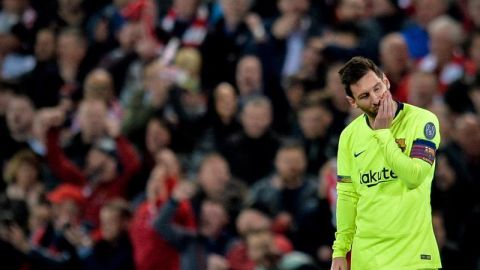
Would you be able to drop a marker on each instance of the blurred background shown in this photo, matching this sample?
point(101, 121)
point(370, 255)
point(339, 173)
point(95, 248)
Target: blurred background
point(190, 134)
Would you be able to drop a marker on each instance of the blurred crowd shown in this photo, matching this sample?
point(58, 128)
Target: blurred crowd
point(202, 134)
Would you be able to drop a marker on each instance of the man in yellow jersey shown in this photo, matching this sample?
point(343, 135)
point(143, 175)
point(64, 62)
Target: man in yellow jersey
point(386, 160)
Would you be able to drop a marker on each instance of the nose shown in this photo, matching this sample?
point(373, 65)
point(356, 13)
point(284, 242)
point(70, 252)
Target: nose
point(376, 97)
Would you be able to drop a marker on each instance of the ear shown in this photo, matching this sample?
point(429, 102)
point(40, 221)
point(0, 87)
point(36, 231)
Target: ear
point(386, 81)
point(352, 102)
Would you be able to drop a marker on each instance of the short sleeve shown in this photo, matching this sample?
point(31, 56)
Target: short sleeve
point(426, 139)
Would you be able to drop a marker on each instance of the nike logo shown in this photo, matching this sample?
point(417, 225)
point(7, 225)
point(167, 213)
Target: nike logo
point(358, 154)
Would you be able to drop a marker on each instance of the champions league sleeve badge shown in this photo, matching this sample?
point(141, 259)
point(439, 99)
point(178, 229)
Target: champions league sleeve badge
point(429, 130)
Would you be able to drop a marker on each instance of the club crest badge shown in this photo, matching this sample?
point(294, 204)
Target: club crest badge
point(401, 144)
point(429, 130)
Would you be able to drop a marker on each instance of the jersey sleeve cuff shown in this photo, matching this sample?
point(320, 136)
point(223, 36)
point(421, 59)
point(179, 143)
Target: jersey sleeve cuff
point(339, 254)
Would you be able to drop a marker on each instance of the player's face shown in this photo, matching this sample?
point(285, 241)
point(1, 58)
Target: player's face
point(367, 93)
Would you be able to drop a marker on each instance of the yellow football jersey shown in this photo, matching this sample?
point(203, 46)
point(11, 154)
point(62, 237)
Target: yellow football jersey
point(384, 180)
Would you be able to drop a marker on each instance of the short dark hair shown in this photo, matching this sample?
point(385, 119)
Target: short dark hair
point(355, 69)
point(291, 144)
point(314, 101)
point(120, 206)
point(78, 33)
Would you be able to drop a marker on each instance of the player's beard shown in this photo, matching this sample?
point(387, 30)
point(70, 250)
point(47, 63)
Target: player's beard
point(371, 112)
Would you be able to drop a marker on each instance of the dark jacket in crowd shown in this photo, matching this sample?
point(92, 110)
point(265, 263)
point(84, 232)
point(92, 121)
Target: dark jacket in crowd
point(194, 247)
point(111, 256)
point(251, 159)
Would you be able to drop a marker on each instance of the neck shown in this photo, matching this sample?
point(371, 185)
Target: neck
point(371, 120)
point(231, 24)
point(292, 183)
point(225, 119)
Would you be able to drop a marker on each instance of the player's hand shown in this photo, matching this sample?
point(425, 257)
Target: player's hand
point(339, 263)
point(386, 112)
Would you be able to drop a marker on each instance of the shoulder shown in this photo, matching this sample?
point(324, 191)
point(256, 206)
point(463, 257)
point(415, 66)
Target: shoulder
point(263, 190)
point(311, 182)
point(310, 188)
point(424, 122)
point(264, 184)
point(419, 113)
point(353, 128)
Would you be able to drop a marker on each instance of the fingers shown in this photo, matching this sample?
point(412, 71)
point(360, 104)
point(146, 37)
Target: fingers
point(386, 111)
point(339, 264)
point(387, 102)
point(391, 105)
point(388, 105)
point(381, 108)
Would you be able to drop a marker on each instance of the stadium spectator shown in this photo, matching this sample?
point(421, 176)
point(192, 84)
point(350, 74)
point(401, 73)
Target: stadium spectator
point(44, 82)
point(225, 43)
point(315, 120)
point(203, 248)
point(19, 121)
point(204, 90)
point(113, 250)
point(220, 121)
point(397, 66)
point(251, 220)
point(109, 166)
point(265, 254)
point(92, 126)
point(445, 58)
point(23, 176)
point(423, 89)
point(287, 191)
point(145, 239)
point(415, 30)
point(250, 152)
point(216, 183)
point(186, 20)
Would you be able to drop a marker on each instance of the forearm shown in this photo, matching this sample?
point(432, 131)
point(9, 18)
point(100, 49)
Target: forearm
point(128, 156)
point(164, 225)
point(346, 214)
point(163, 222)
point(412, 171)
point(58, 162)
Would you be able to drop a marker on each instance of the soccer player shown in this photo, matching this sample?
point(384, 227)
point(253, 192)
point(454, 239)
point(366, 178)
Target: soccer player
point(386, 160)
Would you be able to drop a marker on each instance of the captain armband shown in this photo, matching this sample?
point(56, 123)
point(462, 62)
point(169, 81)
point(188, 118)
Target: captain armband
point(424, 150)
point(344, 179)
